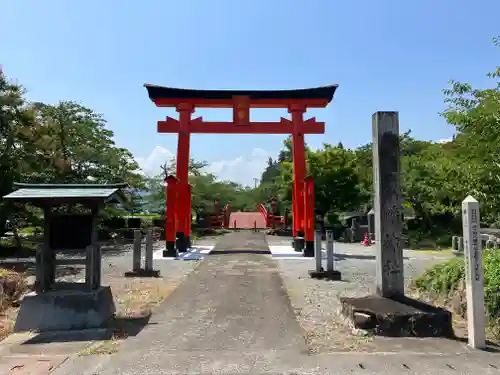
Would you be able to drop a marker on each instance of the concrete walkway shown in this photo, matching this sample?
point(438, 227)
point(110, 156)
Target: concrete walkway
point(231, 314)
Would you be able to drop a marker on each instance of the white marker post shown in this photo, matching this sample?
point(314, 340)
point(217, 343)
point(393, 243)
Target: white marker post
point(474, 273)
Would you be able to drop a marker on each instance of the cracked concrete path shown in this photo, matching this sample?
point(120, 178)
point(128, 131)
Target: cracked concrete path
point(231, 313)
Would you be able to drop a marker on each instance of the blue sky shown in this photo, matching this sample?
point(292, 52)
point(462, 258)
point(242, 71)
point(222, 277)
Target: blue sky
point(385, 55)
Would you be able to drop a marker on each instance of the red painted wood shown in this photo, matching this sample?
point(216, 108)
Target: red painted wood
point(299, 167)
point(242, 102)
point(189, 216)
point(309, 209)
point(170, 215)
point(285, 126)
point(182, 168)
point(247, 220)
point(224, 103)
point(241, 110)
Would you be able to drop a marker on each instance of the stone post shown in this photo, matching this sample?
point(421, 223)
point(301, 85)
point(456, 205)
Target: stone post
point(329, 250)
point(371, 225)
point(387, 204)
point(354, 229)
point(474, 279)
point(136, 254)
point(148, 262)
point(317, 250)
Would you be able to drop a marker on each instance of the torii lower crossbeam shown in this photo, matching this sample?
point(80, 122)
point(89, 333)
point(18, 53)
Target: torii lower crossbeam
point(285, 126)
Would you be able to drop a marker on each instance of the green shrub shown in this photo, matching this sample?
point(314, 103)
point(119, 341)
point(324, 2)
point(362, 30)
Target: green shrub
point(444, 280)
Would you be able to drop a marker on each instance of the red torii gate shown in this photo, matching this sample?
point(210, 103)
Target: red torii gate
point(185, 101)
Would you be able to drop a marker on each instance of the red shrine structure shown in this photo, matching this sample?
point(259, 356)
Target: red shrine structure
point(185, 101)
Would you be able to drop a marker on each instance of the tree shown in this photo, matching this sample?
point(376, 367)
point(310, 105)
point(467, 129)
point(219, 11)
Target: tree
point(205, 188)
point(271, 172)
point(17, 125)
point(65, 143)
point(336, 182)
point(475, 113)
point(79, 149)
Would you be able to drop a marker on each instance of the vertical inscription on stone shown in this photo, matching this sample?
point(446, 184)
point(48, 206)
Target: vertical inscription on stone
point(387, 204)
point(474, 273)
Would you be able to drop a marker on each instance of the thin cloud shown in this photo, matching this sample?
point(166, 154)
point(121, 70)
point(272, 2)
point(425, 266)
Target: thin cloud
point(241, 170)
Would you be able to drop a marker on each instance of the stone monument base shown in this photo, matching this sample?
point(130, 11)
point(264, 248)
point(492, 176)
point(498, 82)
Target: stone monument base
point(68, 309)
point(327, 275)
point(298, 244)
point(397, 317)
point(142, 273)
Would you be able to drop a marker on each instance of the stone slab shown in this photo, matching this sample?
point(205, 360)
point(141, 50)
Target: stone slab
point(58, 310)
point(326, 275)
point(404, 317)
point(143, 273)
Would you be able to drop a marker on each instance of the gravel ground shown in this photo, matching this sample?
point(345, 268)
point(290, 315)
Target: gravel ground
point(317, 302)
point(134, 297)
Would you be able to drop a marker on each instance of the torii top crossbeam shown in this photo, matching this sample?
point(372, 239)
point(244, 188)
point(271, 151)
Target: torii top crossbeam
point(241, 101)
point(318, 97)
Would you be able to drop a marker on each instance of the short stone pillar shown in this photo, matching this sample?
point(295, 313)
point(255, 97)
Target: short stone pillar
point(319, 272)
point(474, 279)
point(455, 245)
point(354, 230)
point(136, 251)
point(329, 250)
point(317, 250)
point(371, 224)
point(148, 261)
point(137, 270)
point(387, 204)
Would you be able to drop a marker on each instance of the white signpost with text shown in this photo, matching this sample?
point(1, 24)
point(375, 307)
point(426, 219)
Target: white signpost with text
point(474, 275)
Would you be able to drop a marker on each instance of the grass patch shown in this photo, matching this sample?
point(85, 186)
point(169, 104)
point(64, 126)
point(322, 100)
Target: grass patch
point(447, 251)
point(12, 287)
point(9, 247)
point(31, 231)
point(444, 284)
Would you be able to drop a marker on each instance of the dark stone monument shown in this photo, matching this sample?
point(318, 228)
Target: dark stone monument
point(389, 312)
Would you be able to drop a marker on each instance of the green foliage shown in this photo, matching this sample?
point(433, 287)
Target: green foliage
point(447, 279)
point(205, 189)
point(442, 279)
point(70, 143)
point(63, 143)
point(476, 115)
